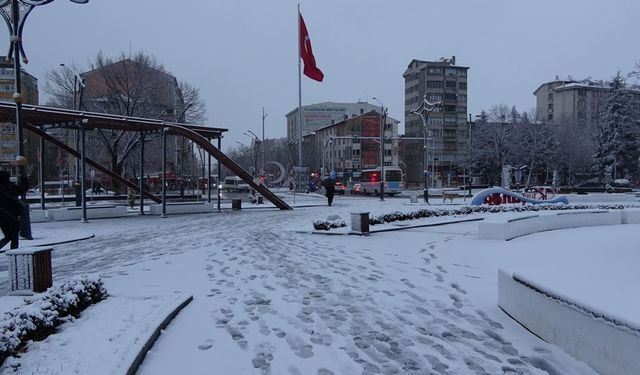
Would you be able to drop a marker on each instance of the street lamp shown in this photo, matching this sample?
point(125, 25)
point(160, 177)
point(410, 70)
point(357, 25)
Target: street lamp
point(383, 115)
point(78, 86)
point(423, 110)
point(264, 116)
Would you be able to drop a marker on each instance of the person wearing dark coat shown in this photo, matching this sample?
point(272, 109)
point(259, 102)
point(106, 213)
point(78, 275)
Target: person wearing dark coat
point(10, 210)
point(329, 189)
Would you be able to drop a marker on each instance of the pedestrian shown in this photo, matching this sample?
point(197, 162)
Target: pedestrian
point(10, 210)
point(329, 189)
point(131, 197)
point(25, 216)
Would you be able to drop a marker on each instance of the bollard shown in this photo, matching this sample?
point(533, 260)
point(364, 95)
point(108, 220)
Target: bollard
point(260, 199)
point(414, 198)
point(30, 269)
point(236, 204)
point(360, 222)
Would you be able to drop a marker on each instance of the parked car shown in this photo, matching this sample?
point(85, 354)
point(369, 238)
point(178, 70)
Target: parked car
point(235, 183)
point(355, 189)
point(340, 188)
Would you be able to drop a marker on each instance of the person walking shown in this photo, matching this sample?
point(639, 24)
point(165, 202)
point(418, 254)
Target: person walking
point(329, 189)
point(10, 210)
point(131, 197)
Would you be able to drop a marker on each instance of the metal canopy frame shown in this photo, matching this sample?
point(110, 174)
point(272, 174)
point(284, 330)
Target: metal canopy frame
point(41, 117)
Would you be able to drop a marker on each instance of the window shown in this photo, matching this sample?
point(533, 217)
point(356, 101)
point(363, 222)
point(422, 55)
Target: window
point(550, 96)
point(452, 84)
point(463, 86)
point(550, 117)
point(434, 71)
point(449, 108)
point(435, 84)
point(462, 72)
point(434, 97)
point(462, 109)
point(450, 96)
point(582, 92)
point(451, 72)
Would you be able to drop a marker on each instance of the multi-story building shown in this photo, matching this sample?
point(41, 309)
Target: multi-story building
point(353, 144)
point(574, 101)
point(319, 115)
point(8, 133)
point(444, 82)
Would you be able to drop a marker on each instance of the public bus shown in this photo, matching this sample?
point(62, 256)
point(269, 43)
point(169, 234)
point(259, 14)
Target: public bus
point(370, 180)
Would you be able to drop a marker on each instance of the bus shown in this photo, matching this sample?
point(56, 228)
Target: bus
point(370, 181)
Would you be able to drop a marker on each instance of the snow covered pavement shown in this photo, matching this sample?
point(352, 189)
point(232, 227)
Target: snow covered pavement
point(271, 300)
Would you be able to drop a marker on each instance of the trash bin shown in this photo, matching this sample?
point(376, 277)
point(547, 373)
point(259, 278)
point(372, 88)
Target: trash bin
point(236, 204)
point(78, 192)
point(414, 198)
point(30, 269)
point(360, 222)
point(260, 199)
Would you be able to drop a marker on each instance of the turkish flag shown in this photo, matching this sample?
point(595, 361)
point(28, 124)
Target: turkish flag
point(310, 68)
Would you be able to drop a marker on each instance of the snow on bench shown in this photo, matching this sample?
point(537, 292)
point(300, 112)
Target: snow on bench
point(631, 216)
point(610, 344)
point(182, 208)
point(93, 212)
point(506, 228)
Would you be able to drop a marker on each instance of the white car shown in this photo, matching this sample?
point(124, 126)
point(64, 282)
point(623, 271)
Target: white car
point(235, 183)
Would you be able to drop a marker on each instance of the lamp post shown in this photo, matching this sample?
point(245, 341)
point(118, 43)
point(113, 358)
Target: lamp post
point(423, 110)
point(15, 13)
point(383, 115)
point(264, 116)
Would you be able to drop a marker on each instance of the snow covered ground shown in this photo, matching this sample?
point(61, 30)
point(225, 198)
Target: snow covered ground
point(271, 298)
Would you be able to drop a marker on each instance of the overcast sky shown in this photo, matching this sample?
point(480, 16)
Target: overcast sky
point(242, 55)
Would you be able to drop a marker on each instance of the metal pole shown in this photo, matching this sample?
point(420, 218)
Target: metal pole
point(83, 165)
point(469, 136)
point(263, 144)
point(219, 172)
point(164, 172)
point(41, 173)
point(424, 159)
point(382, 176)
point(17, 96)
point(299, 96)
point(142, 136)
point(209, 176)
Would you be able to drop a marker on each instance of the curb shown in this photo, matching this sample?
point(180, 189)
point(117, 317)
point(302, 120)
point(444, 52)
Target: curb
point(135, 365)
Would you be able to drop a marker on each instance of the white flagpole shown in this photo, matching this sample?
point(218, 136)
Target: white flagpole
point(299, 95)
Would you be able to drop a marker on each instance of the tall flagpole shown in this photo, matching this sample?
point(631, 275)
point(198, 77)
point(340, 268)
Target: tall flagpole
point(299, 96)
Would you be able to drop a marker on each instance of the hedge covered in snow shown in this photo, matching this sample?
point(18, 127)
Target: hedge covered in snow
point(332, 221)
point(467, 210)
point(42, 313)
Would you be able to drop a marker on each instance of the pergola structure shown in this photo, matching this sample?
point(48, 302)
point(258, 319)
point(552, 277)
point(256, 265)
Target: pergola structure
point(37, 119)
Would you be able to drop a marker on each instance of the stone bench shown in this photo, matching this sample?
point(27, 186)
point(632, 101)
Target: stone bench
point(607, 344)
point(93, 212)
point(631, 216)
point(182, 208)
point(506, 229)
point(38, 216)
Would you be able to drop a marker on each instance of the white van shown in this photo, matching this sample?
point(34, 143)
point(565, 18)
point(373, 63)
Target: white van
point(235, 183)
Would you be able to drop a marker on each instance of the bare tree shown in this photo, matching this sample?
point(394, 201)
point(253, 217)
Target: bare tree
point(136, 86)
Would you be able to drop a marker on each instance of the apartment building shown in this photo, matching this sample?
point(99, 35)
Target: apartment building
point(8, 133)
point(319, 115)
point(445, 82)
point(351, 145)
point(573, 101)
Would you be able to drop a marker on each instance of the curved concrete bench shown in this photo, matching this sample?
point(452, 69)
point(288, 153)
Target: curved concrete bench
point(608, 344)
point(506, 229)
point(93, 212)
point(182, 208)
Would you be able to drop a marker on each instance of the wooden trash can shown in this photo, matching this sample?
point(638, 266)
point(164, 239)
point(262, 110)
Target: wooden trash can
point(30, 269)
point(236, 204)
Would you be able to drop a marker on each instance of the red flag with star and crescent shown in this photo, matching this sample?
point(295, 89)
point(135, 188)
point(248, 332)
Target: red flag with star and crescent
point(306, 53)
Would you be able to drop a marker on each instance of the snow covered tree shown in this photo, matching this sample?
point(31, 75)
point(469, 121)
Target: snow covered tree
point(616, 136)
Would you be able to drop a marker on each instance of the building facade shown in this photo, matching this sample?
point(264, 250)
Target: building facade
point(320, 115)
point(351, 145)
point(30, 94)
point(447, 129)
point(580, 102)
